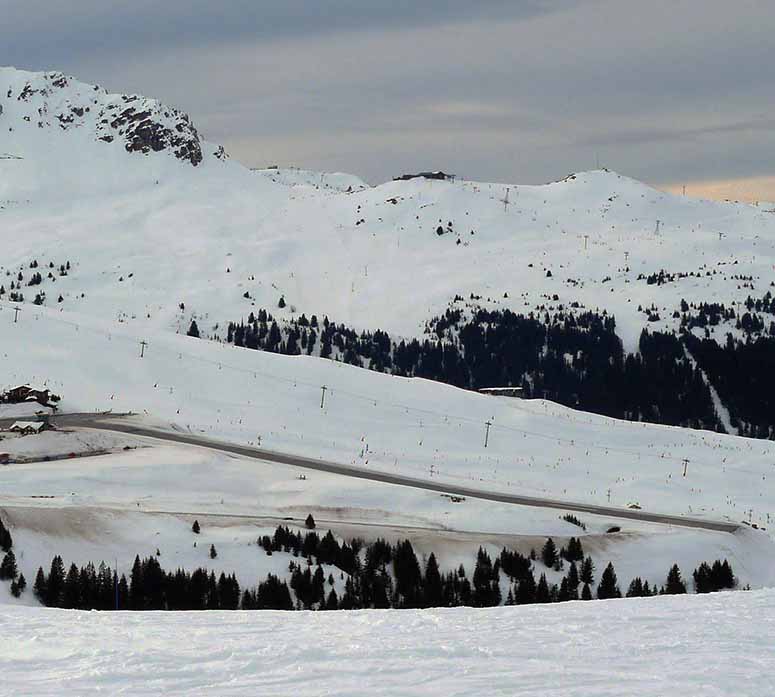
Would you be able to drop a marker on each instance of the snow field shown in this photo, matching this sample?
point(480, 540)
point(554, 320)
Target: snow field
point(719, 645)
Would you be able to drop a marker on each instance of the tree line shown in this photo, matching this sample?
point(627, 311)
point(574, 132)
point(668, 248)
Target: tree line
point(568, 355)
point(571, 356)
point(376, 575)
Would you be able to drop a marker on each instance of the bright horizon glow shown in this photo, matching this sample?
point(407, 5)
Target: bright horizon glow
point(746, 189)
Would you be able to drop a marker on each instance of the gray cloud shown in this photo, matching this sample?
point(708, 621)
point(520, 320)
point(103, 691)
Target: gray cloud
point(665, 90)
point(85, 28)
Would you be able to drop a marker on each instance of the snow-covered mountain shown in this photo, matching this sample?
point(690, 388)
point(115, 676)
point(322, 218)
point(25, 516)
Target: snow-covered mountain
point(124, 225)
point(224, 240)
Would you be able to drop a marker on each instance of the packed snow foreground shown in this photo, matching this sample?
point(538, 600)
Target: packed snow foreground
point(690, 645)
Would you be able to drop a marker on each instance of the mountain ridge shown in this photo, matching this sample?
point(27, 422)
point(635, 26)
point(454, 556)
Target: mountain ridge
point(156, 243)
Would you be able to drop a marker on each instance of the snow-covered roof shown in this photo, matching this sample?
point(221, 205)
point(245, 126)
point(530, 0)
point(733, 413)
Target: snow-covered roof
point(27, 425)
point(32, 388)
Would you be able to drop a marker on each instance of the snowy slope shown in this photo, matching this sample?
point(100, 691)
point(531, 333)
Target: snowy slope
point(335, 182)
point(145, 233)
point(717, 645)
point(113, 507)
point(376, 421)
point(156, 227)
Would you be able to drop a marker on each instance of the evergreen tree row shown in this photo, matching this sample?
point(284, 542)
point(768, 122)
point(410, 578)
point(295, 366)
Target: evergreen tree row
point(743, 373)
point(569, 356)
point(377, 575)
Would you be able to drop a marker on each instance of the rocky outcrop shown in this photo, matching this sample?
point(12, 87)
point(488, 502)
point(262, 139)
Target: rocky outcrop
point(141, 125)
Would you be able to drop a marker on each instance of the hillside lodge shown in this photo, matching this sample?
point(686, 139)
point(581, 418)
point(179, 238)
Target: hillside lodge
point(28, 428)
point(26, 393)
point(439, 176)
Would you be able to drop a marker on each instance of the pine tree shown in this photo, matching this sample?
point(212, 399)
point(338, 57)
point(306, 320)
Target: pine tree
point(407, 574)
point(8, 568)
point(587, 571)
point(549, 553)
point(310, 522)
point(586, 593)
point(195, 527)
point(702, 579)
point(526, 591)
point(573, 578)
point(213, 553)
point(6, 542)
point(332, 602)
point(575, 551)
point(636, 588)
point(721, 575)
point(608, 587)
point(55, 582)
point(433, 587)
point(39, 588)
point(485, 581)
point(193, 329)
point(136, 590)
point(71, 596)
point(675, 584)
point(281, 303)
point(564, 592)
point(542, 591)
point(22, 583)
point(123, 593)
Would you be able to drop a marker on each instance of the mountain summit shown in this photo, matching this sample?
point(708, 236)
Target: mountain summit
point(54, 101)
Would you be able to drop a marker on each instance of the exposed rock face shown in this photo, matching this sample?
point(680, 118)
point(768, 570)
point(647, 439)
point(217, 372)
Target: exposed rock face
point(142, 125)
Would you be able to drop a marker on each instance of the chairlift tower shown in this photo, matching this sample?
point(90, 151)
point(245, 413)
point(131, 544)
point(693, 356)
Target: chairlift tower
point(505, 201)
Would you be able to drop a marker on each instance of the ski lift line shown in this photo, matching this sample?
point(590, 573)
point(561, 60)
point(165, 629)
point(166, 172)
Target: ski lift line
point(411, 409)
point(407, 408)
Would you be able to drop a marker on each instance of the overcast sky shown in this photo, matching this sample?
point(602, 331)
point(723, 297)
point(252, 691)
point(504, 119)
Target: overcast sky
point(524, 91)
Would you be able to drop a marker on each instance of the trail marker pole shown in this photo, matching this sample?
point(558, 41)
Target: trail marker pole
point(487, 432)
point(16, 311)
point(586, 237)
point(143, 344)
point(323, 396)
point(686, 466)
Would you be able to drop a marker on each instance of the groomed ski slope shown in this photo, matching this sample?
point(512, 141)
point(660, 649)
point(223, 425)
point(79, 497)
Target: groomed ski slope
point(715, 645)
point(379, 422)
